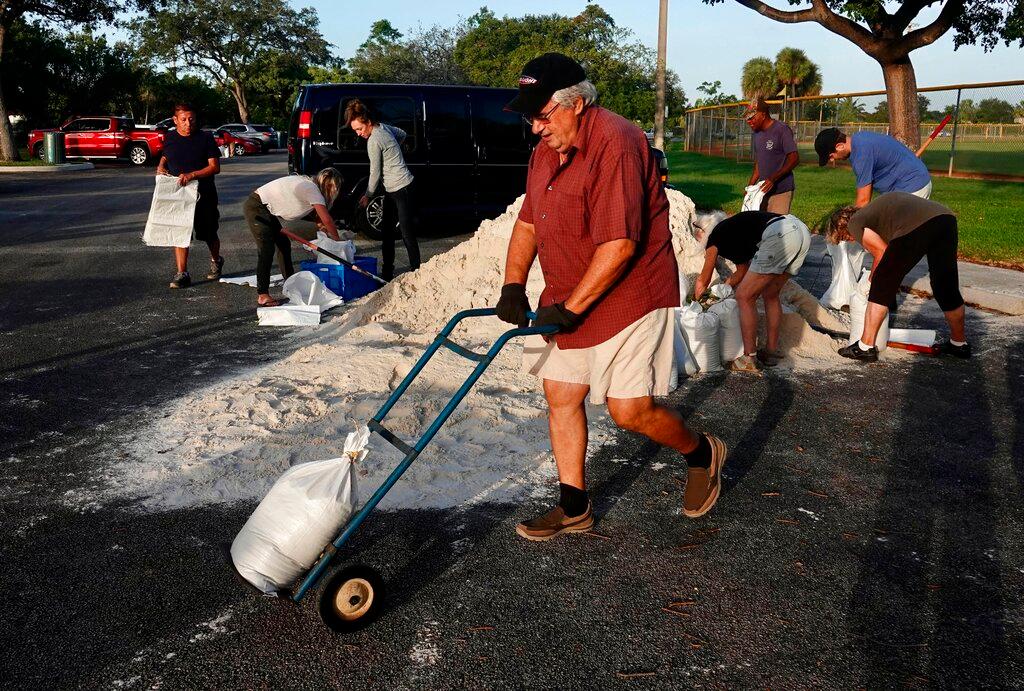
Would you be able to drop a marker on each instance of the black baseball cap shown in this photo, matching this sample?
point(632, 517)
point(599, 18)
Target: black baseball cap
point(541, 78)
point(825, 144)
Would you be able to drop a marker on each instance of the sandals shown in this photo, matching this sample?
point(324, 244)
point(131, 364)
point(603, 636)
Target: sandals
point(768, 358)
point(271, 302)
point(746, 363)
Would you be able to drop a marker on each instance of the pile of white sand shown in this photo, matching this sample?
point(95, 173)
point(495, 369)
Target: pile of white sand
point(229, 442)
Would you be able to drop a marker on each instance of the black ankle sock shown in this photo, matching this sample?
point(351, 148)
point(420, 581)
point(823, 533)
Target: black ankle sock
point(701, 456)
point(573, 501)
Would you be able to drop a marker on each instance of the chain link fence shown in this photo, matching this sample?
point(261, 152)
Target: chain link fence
point(984, 138)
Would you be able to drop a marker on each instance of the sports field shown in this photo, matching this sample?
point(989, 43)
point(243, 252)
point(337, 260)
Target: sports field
point(990, 211)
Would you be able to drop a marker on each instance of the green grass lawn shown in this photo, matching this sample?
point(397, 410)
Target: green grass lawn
point(991, 213)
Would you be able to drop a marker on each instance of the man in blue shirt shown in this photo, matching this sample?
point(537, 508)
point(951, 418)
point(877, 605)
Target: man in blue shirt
point(880, 163)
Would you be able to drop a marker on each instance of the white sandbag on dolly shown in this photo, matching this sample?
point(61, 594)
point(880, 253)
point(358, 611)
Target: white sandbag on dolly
point(752, 197)
point(730, 334)
point(302, 513)
point(701, 331)
point(858, 307)
point(847, 262)
point(172, 213)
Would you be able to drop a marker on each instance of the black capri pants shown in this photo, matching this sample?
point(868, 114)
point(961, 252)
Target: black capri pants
point(935, 239)
point(266, 230)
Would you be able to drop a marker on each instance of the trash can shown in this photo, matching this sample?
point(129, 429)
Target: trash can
point(54, 148)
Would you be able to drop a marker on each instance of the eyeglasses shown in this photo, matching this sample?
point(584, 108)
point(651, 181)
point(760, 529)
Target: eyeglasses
point(544, 118)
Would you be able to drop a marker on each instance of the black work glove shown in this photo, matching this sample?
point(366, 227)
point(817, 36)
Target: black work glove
point(513, 305)
point(559, 316)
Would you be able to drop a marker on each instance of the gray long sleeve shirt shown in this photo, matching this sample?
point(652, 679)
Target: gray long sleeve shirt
point(386, 160)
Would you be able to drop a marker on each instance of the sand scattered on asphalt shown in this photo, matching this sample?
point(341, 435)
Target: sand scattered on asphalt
point(231, 441)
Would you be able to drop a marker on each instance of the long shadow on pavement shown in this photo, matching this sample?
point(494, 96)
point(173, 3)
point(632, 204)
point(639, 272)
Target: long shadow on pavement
point(930, 582)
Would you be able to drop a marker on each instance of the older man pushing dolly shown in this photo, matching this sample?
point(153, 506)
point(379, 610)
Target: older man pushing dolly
point(596, 215)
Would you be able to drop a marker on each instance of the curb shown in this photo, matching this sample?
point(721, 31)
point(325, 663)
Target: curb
point(1007, 303)
point(57, 169)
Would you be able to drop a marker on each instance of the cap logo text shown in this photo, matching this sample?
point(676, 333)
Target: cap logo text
point(527, 80)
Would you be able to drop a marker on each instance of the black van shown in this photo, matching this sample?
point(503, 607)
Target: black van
point(468, 155)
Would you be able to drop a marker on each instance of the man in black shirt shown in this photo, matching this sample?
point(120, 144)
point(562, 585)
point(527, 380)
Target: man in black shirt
point(191, 154)
point(767, 250)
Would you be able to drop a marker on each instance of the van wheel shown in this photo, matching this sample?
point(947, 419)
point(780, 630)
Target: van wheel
point(138, 155)
point(370, 221)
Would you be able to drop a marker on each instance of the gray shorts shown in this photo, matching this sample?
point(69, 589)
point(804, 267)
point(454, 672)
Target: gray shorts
point(783, 247)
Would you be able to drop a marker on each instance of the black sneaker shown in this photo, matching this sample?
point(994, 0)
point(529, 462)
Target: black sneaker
point(854, 352)
point(963, 352)
point(216, 268)
point(181, 280)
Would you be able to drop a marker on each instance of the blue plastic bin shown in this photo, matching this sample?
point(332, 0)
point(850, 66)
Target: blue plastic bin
point(342, 280)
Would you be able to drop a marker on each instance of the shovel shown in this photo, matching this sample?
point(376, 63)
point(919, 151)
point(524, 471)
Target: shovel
point(311, 245)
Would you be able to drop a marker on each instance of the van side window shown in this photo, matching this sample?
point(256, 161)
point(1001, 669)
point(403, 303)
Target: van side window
point(448, 130)
point(502, 136)
point(398, 112)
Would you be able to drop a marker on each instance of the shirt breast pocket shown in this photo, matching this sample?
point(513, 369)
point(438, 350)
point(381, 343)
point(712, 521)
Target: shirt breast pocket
point(570, 212)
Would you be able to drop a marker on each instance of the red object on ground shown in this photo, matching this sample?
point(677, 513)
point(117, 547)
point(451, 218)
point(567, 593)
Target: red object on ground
point(103, 136)
point(914, 348)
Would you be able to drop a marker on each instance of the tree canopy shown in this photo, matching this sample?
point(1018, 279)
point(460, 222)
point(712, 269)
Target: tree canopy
point(231, 41)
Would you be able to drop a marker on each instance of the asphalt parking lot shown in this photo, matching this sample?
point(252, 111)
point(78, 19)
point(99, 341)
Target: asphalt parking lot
point(869, 534)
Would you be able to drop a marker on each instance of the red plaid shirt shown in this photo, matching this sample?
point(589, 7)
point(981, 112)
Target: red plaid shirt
point(608, 189)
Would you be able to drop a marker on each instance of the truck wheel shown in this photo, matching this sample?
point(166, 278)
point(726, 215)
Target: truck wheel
point(138, 155)
point(370, 221)
point(39, 152)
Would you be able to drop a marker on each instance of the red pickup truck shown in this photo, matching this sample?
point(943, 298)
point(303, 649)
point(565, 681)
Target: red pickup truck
point(103, 137)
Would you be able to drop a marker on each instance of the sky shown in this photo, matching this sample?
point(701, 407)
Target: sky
point(705, 43)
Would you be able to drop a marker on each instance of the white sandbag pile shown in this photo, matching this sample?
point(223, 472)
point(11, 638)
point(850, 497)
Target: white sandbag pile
point(730, 334)
point(303, 512)
point(700, 329)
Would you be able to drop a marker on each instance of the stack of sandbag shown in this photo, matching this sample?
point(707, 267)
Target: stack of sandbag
point(858, 308)
point(302, 513)
point(730, 335)
point(700, 330)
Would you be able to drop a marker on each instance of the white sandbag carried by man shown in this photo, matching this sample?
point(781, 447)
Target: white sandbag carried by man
point(171, 213)
point(302, 513)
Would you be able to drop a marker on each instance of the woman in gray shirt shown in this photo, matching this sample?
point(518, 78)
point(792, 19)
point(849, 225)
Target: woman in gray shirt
point(387, 169)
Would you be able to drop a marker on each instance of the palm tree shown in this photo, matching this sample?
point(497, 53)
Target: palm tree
point(759, 78)
point(792, 66)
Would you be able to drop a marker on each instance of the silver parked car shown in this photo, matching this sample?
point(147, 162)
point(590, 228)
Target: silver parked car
point(263, 134)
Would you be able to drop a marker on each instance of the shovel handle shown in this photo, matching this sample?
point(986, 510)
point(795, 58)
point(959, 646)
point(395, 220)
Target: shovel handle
point(332, 255)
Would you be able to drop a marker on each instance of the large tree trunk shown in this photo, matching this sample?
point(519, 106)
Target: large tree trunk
point(238, 91)
point(901, 91)
point(7, 150)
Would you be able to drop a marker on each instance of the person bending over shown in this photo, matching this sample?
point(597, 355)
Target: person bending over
point(767, 250)
point(290, 198)
point(899, 229)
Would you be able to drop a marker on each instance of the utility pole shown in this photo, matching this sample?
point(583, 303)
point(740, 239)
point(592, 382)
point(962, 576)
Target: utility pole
point(659, 113)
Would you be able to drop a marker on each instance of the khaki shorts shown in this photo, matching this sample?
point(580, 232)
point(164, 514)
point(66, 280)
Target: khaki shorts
point(783, 247)
point(633, 363)
point(779, 203)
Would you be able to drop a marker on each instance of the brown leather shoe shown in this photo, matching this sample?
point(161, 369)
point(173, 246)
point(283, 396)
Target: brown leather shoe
point(704, 484)
point(554, 523)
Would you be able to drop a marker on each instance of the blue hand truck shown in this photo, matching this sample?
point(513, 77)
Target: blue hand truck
point(353, 596)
